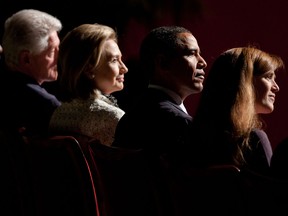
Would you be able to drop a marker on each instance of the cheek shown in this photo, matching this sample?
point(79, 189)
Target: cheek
point(47, 63)
point(260, 97)
point(262, 88)
point(105, 78)
point(181, 65)
point(258, 102)
point(111, 75)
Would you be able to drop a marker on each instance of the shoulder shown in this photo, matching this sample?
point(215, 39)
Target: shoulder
point(259, 139)
point(259, 135)
point(33, 93)
point(99, 105)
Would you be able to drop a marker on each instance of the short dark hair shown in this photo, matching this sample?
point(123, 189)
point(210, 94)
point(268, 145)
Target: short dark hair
point(161, 40)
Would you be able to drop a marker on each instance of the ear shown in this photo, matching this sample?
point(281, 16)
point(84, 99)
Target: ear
point(162, 61)
point(89, 72)
point(24, 58)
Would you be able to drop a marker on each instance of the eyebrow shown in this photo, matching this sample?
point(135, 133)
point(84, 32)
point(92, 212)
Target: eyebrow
point(191, 50)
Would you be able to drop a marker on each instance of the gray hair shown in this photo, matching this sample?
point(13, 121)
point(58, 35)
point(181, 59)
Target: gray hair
point(28, 29)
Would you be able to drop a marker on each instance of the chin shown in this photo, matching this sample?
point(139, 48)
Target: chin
point(197, 89)
point(120, 86)
point(267, 111)
point(53, 76)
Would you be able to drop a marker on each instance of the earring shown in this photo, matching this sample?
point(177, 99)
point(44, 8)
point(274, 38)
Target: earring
point(91, 76)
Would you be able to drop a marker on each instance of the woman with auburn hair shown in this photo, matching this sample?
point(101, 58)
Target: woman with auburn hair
point(227, 126)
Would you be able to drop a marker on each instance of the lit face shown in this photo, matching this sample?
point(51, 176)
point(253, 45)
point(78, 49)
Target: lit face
point(266, 88)
point(109, 76)
point(187, 67)
point(43, 66)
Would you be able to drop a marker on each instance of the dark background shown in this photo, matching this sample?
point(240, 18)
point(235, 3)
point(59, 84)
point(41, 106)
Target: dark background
point(217, 25)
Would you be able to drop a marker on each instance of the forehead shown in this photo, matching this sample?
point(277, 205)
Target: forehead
point(110, 45)
point(111, 48)
point(187, 37)
point(188, 40)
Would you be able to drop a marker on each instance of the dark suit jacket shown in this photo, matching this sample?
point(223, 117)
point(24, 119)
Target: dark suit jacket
point(218, 149)
point(25, 104)
point(259, 157)
point(155, 123)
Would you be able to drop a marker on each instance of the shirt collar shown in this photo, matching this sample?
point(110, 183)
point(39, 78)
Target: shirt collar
point(177, 99)
point(171, 93)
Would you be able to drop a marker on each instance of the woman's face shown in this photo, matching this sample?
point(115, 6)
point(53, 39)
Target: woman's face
point(266, 88)
point(109, 76)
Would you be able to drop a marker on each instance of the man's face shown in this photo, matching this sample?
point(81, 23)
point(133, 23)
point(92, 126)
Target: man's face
point(44, 65)
point(187, 67)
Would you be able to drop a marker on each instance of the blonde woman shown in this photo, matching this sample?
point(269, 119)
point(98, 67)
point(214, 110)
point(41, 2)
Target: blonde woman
point(91, 68)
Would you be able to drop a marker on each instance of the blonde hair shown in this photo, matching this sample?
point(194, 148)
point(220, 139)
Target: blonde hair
point(79, 53)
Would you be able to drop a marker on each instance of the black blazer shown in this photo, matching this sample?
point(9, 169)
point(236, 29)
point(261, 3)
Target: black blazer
point(26, 104)
point(155, 123)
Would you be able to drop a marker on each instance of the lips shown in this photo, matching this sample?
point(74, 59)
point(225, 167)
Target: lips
point(272, 97)
point(120, 79)
point(200, 75)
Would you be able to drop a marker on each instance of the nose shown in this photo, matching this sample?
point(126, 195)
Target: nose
point(202, 63)
point(123, 68)
point(275, 87)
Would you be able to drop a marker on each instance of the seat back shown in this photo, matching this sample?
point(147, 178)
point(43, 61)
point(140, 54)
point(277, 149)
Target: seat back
point(126, 183)
point(264, 195)
point(225, 190)
point(199, 191)
point(15, 187)
point(61, 178)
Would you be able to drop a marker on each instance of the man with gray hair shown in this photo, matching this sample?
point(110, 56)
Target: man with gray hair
point(30, 50)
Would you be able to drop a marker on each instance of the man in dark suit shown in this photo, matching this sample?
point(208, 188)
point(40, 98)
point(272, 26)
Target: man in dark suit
point(158, 122)
point(30, 52)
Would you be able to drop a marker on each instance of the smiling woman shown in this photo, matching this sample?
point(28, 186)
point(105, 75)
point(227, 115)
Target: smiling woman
point(227, 127)
point(266, 89)
point(91, 68)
